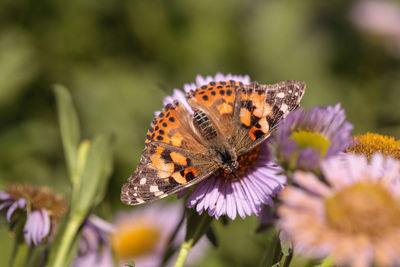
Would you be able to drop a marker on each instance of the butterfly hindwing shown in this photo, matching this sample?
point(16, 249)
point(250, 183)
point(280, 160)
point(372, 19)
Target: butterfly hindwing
point(163, 170)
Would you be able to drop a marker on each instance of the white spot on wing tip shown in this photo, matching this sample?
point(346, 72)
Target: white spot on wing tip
point(140, 200)
point(154, 188)
point(281, 95)
point(284, 108)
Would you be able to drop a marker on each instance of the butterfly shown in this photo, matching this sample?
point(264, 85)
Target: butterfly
point(221, 121)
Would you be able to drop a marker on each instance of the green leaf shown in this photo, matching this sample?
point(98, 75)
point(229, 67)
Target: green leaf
point(73, 249)
point(327, 262)
point(36, 255)
point(55, 244)
point(273, 253)
point(94, 177)
point(106, 174)
point(196, 225)
point(286, 245)
point(90, 166)
point(69, 128)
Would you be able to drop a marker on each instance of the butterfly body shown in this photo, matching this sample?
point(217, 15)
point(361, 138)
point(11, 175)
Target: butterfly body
point(220, 123)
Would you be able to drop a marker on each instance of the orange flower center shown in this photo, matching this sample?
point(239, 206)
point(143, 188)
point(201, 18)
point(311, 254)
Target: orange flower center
point(366, 208)
point(370, 143)
point(134, 239)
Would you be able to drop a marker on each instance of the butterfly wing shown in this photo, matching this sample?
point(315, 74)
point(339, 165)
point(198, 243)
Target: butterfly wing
point(245, 115)
point(259, 108)
point(175, 157)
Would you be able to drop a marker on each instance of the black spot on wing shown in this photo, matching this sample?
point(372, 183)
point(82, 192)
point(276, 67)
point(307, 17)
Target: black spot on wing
point(190, 176)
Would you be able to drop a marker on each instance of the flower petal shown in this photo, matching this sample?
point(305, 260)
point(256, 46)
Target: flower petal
point(37, 227)
point(6, 204)
point(4, 196)
point(20, 203)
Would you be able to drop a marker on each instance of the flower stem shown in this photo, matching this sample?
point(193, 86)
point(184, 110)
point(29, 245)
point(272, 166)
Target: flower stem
point(19, 254)
point(183, 253)
point(66, 241)
point(196, 227)
point(20, 249)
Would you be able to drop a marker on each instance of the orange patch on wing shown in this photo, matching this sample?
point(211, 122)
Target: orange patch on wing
point(178, 158)
point(168, 117)
point(164, 169)
point(245, 96)
point(192, 170)
point(225, 108)
point(245, 116)
point(179, 178)
point(176, 139)
point(264, 125)
point(267, 110)
point(256, 133)
point(203, 96)
point(258, 102)
point(158, 152)
point(252, 134)
point(230, 98)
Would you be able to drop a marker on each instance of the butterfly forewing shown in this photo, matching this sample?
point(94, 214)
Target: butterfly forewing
point(259, 108)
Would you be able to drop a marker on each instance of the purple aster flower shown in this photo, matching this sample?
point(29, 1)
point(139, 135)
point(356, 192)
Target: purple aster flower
point(95, 232)
point(305, 137)
point(42, 207)
point(256, 181)
point(94, 247)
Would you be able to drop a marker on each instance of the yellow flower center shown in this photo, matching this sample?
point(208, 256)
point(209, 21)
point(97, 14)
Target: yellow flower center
point(371, 143)
point(306, 139)
point(132, 240)
point(364, 208)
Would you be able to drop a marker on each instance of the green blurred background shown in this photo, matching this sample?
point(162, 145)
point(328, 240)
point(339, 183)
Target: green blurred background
point(120, 58)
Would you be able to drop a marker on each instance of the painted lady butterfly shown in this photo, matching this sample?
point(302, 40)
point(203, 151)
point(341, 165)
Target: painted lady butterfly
point(226, 120)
